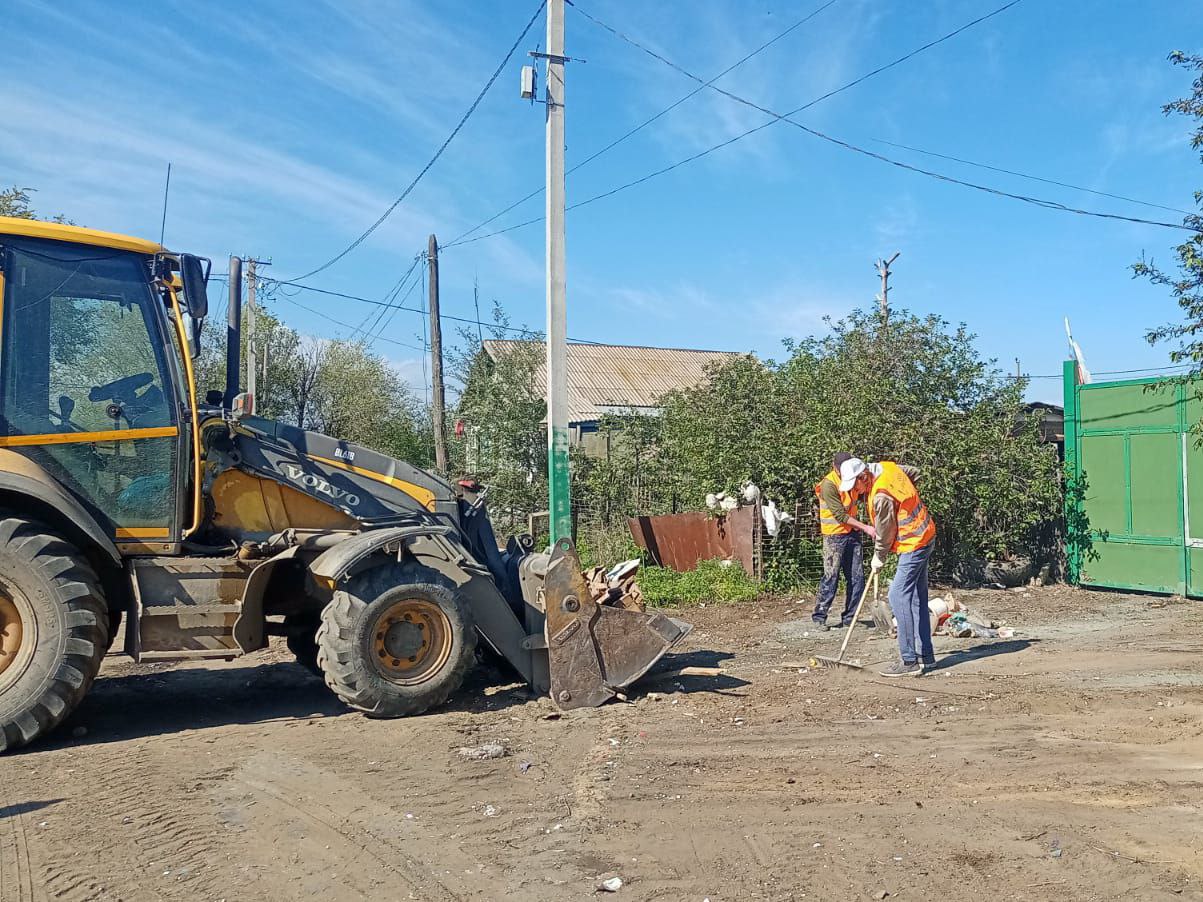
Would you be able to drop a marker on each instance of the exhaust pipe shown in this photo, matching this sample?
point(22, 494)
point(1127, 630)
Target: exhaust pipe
point(234, 334)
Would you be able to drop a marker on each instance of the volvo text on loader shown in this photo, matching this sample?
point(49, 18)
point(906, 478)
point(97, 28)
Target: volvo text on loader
point(209, 529)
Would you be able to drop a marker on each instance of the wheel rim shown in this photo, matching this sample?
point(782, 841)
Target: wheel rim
point(411, 641)
point(18, 635)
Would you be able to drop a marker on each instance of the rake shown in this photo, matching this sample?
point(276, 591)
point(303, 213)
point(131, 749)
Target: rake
point(838, 661)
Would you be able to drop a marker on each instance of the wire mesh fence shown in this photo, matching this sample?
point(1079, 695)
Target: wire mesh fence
point(788, 561)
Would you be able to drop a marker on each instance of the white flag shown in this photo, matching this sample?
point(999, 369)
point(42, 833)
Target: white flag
point(1083, 374)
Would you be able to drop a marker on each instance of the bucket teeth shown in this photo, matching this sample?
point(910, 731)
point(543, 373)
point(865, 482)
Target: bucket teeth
point(594, 650)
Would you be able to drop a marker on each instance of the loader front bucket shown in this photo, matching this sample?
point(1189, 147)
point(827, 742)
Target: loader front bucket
point(593, 649)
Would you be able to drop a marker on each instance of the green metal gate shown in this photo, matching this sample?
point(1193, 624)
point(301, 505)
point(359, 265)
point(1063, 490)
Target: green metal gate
point(1128, 446)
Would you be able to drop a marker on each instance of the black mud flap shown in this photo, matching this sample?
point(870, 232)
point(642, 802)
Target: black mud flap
point(595, 650)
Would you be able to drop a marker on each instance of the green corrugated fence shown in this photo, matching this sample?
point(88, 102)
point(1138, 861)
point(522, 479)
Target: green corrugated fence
point(1129, 448)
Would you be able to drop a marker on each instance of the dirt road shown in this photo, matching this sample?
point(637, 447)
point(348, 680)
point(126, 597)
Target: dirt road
point(1065, 763)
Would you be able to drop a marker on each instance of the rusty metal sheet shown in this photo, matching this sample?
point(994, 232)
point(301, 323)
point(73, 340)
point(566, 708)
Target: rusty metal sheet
point(680, 541)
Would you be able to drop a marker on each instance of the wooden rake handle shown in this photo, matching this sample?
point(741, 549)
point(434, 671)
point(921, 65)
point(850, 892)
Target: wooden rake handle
point(871, 581)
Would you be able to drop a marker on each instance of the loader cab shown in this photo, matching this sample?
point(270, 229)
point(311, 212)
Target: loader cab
point(91, 388)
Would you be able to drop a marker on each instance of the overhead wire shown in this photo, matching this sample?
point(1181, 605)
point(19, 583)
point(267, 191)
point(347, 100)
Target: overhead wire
point(338, 322)
point(785, 117)
point(646, 122)
point(446, 316)
point(1035, 178)
point(384, 317)
point(780, 117)
point(389, 315)
point(722, 144)
point(392, 294)
point(1176, 369)
point(438, 153)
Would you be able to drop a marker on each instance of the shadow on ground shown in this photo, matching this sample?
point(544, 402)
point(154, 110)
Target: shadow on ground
point(129, 706)
point(7, 811)
point(167, 701)
point(661, 677)
point(987, 649)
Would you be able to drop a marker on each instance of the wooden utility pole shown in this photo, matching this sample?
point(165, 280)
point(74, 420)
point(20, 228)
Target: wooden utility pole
point(560, 504)
point(883, 270)
point(439, 398)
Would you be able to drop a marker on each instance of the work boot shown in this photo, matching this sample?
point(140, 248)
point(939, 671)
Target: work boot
point(822, 626)
point(902, 669)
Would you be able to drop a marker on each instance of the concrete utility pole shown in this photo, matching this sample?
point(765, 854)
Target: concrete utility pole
point(883, 270)
point(559, 504)
point(252, 359)
point(439, 401)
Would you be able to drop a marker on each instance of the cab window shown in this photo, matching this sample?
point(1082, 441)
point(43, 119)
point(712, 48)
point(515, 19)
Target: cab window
point(83, 386)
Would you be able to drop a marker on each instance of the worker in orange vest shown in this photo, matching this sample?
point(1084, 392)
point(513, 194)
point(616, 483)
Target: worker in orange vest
point(842, 551)
point(904, 527)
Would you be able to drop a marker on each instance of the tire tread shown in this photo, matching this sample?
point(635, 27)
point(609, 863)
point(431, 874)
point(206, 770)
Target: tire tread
point(76, 588)
point(343, 667)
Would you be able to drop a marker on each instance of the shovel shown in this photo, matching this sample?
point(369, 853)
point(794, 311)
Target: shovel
point(838, 661)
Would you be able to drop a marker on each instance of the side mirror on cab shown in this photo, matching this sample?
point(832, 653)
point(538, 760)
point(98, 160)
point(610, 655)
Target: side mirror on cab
point(194, 272)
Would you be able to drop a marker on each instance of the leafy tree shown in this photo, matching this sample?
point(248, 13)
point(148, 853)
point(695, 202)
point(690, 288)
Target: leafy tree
point(917, 393)
point(503, 411)
point(1187, 283)
point(18, 203)
point(335, 387)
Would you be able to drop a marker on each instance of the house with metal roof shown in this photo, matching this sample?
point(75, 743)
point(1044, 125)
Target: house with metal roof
point(618, 379)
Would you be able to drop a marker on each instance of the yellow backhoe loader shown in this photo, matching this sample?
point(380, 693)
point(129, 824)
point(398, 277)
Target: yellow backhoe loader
point(208, 529)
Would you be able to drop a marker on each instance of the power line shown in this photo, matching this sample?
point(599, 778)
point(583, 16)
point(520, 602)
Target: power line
point(668, 109)
point(720, 145)
point(448, 316)
point(785, 117)
point(438, 153)
point(1147, 370)
point(390, 315)
point(378, 316)
point(339, 322)
point(1034, 178)
point(778, 117)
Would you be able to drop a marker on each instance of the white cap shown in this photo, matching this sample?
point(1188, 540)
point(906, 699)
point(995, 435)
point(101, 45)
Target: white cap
point(849, 471)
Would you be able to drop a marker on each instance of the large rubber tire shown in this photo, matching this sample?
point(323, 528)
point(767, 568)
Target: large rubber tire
point(355, 663)
point(303, 642)
point(65, 618)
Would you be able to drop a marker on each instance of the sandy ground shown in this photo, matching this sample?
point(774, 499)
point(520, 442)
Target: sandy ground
point(1066, 763)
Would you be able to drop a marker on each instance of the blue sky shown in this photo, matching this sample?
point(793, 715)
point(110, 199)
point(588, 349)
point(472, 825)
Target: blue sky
point(292, 126)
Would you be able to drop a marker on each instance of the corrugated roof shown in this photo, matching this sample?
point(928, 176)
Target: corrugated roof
point(604, 377)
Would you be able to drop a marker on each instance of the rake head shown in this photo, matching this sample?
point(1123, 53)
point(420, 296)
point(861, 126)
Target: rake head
point(835, 663)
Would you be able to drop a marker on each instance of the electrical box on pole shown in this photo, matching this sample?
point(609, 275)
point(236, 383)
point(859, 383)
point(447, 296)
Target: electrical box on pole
point(530, 83)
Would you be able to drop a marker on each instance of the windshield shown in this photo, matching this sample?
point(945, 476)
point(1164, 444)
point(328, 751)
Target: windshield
point(85, 387)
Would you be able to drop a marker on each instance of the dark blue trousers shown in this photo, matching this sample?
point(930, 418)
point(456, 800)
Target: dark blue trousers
point(841, 554)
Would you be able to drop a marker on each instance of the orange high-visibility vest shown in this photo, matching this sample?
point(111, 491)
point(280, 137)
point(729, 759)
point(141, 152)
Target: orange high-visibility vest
point(916, 528)
point(828, 524)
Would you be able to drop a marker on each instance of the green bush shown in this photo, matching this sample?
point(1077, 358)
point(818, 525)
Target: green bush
point(599, 545)
point(711, 581)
